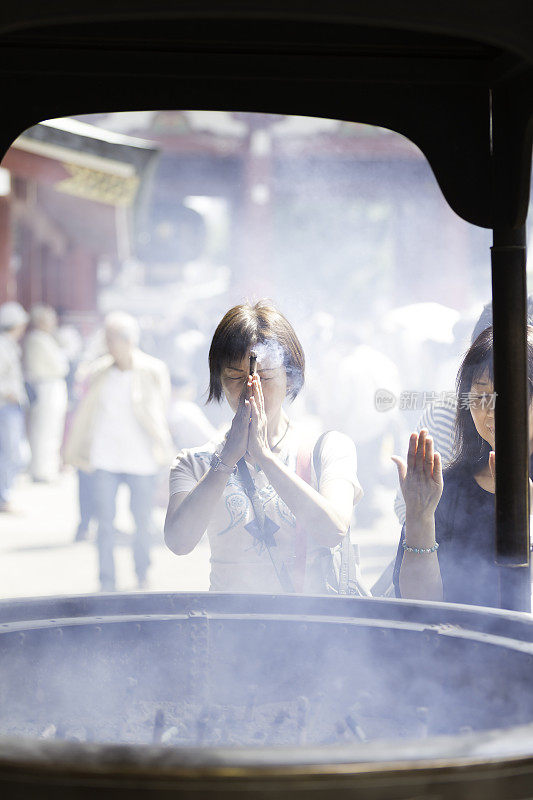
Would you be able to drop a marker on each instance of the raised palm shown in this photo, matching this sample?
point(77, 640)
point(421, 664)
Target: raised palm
point(421, 477)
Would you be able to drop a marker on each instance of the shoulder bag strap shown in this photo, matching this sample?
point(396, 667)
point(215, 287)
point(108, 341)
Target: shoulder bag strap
point(307, 454)
point(303, 470)
point(345, 549)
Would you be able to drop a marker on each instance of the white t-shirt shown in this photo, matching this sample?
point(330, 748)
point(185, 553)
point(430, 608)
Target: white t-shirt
point(44, 359)
point(240, 561)
point(120, 443)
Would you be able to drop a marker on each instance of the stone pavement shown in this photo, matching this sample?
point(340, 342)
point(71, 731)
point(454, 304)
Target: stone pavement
point(38, 555)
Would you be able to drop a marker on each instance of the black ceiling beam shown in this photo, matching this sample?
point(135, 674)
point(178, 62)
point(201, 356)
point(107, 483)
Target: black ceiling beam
point(426, 70)
point(450, 125)
point(508, 25)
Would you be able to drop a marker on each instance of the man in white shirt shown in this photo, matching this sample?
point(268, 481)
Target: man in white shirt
point(46, 366)
point(120, 433)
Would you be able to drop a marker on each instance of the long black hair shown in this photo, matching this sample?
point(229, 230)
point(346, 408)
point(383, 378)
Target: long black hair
point(470, 451)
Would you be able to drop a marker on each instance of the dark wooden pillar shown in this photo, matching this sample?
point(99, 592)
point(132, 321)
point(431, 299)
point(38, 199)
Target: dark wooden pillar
point(510, 152)
point(255, 212)
point(80, 281)
point(509, 299)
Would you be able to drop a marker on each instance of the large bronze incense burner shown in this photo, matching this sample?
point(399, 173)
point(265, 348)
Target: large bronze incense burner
point(218, 695)
point(197, 696)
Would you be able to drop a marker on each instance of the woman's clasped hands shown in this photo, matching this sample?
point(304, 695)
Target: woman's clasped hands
point(258, 446)
point(421, 477)
point(248, 433)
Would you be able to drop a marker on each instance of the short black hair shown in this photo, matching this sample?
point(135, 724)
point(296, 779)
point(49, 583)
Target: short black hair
point(246, 325)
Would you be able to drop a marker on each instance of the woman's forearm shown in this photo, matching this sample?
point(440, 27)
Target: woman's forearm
point(186, 524)
point(314, 512)
point(420, 577)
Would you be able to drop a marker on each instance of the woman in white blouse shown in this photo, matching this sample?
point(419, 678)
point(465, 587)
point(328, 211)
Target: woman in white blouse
point(272, 502)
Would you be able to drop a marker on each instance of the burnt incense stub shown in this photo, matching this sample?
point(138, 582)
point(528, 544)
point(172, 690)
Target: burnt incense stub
point(163, 671)
point(156, 680)
point(253, 363)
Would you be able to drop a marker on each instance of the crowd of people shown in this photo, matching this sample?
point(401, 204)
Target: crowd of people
point(275, 494)
point(115, 428)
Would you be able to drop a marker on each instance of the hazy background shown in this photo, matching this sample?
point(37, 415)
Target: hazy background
point(342, 226)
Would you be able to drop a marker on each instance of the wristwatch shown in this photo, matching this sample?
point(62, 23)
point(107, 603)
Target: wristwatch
point(217, 465)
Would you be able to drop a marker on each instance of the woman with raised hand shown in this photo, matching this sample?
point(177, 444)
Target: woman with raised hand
point(271, 502)
point(446, 550)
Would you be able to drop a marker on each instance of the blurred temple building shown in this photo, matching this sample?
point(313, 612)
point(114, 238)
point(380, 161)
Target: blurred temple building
point(251, 202)
point(69, 198)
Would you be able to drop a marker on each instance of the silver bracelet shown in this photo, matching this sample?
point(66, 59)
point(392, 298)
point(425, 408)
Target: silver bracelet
point(217, 465)
point(419, 550)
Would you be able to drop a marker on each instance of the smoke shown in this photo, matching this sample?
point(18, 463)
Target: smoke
point(349, 227)
point(270, 354)
point(354, 243)
point(262, 671)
